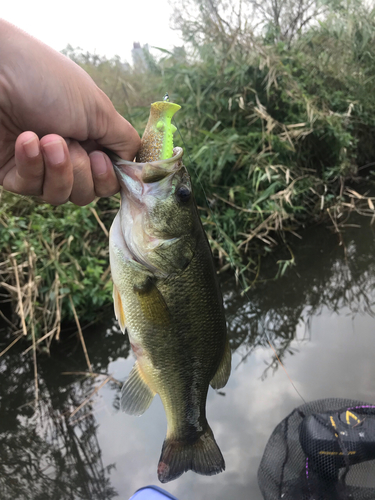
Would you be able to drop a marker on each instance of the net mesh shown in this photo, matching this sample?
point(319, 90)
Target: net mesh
point(323, 450)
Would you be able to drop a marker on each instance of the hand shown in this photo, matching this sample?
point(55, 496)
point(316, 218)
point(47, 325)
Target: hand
point(54, 121)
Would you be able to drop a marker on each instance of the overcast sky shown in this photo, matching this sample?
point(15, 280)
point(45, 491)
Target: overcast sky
point(108, 27)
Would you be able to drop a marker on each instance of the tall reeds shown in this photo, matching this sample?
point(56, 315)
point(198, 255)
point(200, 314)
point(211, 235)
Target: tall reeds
point(276, 135)
point(53, 265)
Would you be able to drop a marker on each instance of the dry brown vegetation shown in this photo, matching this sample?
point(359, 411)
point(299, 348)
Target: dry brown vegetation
point(277, 131)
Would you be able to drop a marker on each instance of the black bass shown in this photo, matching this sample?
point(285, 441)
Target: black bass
point(167, 297)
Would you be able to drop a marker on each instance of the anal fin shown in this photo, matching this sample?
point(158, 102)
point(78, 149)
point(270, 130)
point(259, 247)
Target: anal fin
point(119, 310)
point(222, 374)
point(136, 396)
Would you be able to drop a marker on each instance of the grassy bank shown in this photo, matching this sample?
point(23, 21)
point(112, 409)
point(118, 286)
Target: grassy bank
point(276, 133)
point(54, 262)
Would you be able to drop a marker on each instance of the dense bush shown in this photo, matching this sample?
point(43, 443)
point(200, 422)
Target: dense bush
point(275, 126)
point(51, 253)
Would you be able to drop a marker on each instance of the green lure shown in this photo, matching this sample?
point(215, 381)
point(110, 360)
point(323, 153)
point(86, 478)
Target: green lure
point(157, 140)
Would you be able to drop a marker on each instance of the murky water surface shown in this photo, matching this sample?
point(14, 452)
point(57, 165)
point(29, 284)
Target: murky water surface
point(319, 318)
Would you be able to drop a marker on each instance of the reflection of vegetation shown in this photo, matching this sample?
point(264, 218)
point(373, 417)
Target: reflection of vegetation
point(54, 456)
point(49, 455)
point(324, 278)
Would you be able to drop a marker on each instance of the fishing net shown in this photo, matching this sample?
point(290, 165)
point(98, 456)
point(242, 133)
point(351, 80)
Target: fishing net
point(324, 450)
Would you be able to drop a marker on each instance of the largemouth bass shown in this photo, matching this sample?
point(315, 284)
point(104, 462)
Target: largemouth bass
point(167, 297)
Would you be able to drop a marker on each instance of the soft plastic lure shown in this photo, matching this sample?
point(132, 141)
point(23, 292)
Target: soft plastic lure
point(157, 140)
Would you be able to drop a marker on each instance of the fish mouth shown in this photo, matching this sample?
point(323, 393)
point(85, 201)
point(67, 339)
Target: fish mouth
point(141, 185)
point(140, 179)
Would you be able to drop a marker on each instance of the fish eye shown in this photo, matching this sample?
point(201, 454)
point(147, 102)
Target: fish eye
point(183, 194)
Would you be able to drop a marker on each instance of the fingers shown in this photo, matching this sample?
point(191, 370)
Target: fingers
point(104, 177)
point(80, 178)
point(83, 191)
point(28, 174)
point(58, 171)
point(94, 175)
point(42, 168)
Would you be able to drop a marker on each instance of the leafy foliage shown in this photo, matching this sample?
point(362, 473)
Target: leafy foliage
point(274, 128)
point(53, 252)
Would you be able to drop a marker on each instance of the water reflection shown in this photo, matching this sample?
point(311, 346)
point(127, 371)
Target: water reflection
point(329, 276)
point(48, 454)
point(320, 320)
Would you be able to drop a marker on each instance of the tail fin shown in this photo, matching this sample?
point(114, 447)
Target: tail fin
point(202, 456)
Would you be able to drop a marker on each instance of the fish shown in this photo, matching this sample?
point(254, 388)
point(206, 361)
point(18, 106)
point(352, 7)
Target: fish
point(168, 299)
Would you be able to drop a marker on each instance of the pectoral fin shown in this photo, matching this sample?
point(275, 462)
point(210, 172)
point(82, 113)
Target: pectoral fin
point(223, 372)
point(152, 303)
point(136, 396)
point(119, 310)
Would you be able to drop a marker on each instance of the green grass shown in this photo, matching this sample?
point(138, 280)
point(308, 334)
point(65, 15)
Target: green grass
point(274, 136)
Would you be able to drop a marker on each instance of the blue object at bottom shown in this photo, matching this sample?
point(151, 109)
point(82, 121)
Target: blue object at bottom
point(152, 493)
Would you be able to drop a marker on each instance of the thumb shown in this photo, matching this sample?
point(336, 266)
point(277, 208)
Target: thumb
point(119, 135)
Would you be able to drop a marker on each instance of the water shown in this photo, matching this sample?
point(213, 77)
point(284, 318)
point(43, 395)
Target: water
point(320, 320)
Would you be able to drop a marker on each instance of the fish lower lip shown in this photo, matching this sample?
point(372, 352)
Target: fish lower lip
point(129, 181)
point(127, 172)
